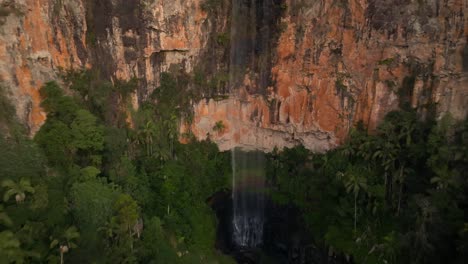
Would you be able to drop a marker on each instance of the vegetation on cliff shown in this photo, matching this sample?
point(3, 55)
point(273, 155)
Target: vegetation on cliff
point(93, 187)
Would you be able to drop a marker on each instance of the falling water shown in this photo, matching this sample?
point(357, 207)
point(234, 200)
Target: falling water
point(248, 182)
point(248, 185)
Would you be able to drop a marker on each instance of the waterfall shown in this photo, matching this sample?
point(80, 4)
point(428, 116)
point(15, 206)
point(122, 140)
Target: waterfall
point(248, 186)
point(248, 172)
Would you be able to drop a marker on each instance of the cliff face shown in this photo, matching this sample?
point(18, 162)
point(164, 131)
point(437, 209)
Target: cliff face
point(36, 39)
point(300, 71)
point(121, 39)
point(340, 62)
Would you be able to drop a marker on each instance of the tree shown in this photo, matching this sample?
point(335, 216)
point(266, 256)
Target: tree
point(406, 128)
point(55, 139)
point(19, 157)
point(126, 211)
point(387, 151)
point(171, 128)
point(125, 88)
point(66, 241)
point(126, 216)
point(219, 127)
point(58, 106)
point(86, 134)
point(354, 182)
point(19, 189)
point(92, 203)
point(424, 217)
point(4, 217)
point(441, 154)
point(387, 250)
point(156, 247)
point(89, 173)
point(118, 230)
point(87, 139)
point(110, 229)
point(146, 135)
point(124, 173)
point(10, 248)
point(403, 172)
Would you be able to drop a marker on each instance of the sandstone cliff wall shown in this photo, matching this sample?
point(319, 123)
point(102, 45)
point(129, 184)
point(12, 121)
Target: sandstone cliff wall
point(35, 42)
point(340, 62)
point(121, 39)
point(314, 67)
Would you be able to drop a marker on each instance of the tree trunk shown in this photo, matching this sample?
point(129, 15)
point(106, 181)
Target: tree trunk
point(400, 193)
point(399, 198)
point(386, 186)
point(355, 212)
point(390, 188)
point(147, 147)
point(151, 147)
point(172, 147)
point(131, 238)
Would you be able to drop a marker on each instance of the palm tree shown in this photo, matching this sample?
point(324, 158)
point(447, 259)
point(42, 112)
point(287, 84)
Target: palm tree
point(133, 140)
point(66, 242)
point(424, 217)
point(387, 250)
point(401, 178)
point(348, 149)
point(387, 152)
point(365, 148)
point(18, 189)
point(171, 126)
point(408, 126)
point(110, 230)
point(146, 135)
point(354, 182)
point(443, 177)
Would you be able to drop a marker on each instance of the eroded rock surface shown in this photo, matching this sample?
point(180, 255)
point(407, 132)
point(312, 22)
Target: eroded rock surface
point(314, 68)
point(340, 62)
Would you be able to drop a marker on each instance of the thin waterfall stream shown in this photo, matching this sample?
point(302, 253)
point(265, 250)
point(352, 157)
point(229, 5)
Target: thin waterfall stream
point(248, 186)
point(248, 165)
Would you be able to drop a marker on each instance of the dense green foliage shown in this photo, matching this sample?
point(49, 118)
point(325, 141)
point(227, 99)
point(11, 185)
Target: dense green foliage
point(102, 183)
point(398, 196)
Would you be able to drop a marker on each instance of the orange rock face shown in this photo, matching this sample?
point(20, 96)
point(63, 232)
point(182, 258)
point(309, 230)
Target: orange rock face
point(41, 37)
point(339, 63)
point(32, 48)
point(330, 65)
